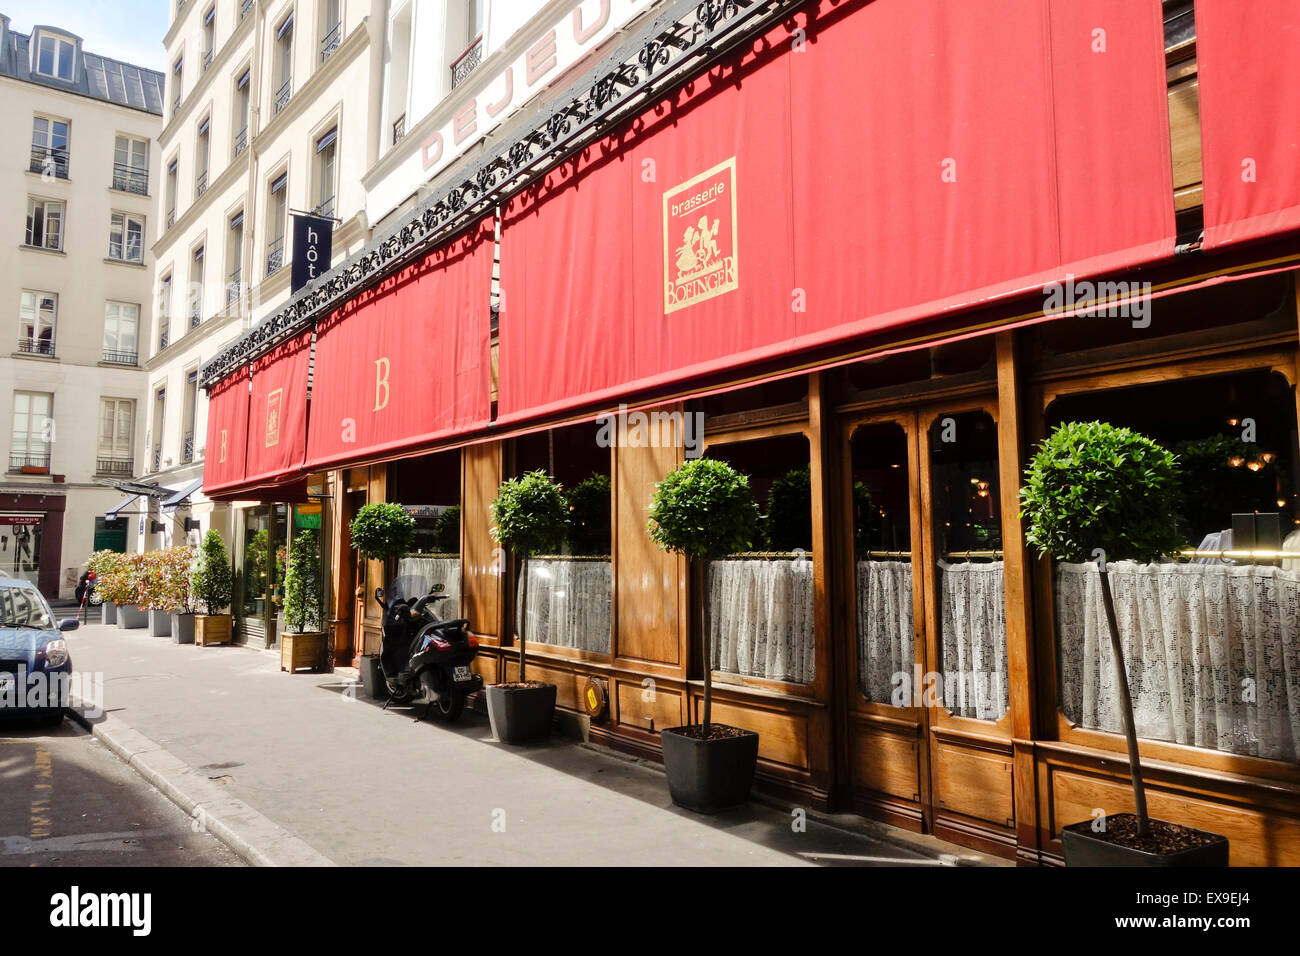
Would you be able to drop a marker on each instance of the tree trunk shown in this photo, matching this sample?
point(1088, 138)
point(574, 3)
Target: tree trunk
point(522, 578)
point(706, 655)
point(1125, 707)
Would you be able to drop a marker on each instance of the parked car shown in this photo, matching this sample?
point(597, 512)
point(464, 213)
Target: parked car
point(35, 665)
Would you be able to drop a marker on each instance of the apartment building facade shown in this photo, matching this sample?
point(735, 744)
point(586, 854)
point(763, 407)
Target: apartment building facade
point(82, 161)
point(267, 112)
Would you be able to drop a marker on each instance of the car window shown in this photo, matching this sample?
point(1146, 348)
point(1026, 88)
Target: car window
point(23, 606)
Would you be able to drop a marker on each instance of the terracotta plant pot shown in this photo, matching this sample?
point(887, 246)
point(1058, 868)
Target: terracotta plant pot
point(521, 715)
point(709, 775)
point(1083, 847)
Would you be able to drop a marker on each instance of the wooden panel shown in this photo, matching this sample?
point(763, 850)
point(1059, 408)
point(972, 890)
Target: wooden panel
point(1185, 130)
point(663, 709)
point(1255, 838)
point(485, 666)
point(975, 783)
point(886, 762)
point(567, 684)
point(648, 583)
point(480, 566)
point(782, 738)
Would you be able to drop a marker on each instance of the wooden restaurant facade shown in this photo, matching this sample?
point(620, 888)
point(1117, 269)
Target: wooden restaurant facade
point(874, 251)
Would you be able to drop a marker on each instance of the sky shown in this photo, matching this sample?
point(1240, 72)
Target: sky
point(130, 30)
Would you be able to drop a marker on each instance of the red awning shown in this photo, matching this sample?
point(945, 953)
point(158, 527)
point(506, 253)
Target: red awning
point(408, 362)
point(277, 416)
point(1249, 75)
point(893, 161)
point(224, 454)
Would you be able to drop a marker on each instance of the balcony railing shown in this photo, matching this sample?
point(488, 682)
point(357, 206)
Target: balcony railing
point(114, 466)
point(325, 209)
point(244, 7)
point(464, 64)
point(32, 346)
point(200, 184)
point(120, 356)
point(207, 60)
point(164, 339)
point(283, 93)
point(241, 141)
point(171, 218)
point(399, 129)
point(330, 42)
point(50, 162)
point(131, 179)
point(234, 287)
point(196, 317)
point(275, 256)
point(187, 452)
point(157, 458)
point(29, 462)
point(176, 104)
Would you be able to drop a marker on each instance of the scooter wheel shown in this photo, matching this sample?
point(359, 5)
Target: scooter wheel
point(449, 706)
point(395, 694)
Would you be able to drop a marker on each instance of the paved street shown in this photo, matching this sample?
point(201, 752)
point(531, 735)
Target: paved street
point(67, 801)
point(365, 786)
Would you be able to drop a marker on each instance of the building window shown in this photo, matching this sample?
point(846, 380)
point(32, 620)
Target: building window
point(36, 322)
point(209, 36)
point(121, 325)
point(326, 168)
point(240, 113)
point(29, 446)
point(475, 21)
point(49, 147)
point(399, 68)
point(172, 175)
point(116, 422)
point(177, 72)
point(331, 27)
point(196, 288)
point(276, 222)
point(126, 238)
point(187, 422)
point(131, 165)
point(164, 311)
point(201, 158)
point(56, 57)
point(45, 224)
point(235, 259)
point(159, 420)
point(283, 64)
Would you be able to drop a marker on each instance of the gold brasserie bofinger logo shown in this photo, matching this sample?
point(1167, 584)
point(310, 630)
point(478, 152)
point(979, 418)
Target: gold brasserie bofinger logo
point(701, 258)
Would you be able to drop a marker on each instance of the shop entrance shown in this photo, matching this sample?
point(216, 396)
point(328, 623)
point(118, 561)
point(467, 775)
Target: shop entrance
point(259, 573)
point(928, 728)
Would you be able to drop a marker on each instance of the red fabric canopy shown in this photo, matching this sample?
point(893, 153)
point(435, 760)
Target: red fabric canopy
point(897, 159)
point(277, 426)
point(408, 362)
point(224, 454)
point(1249, 74)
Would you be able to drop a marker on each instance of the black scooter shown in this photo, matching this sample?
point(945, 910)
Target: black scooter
point(425, 660)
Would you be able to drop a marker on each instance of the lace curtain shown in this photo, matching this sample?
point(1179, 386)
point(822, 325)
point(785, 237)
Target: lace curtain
point(1212, 653)
point(568, 602)
point(415, 576)
point(761, 618)
point(885, 643)
point(974, 639)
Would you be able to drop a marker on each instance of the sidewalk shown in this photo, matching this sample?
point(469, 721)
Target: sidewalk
point(309, 766)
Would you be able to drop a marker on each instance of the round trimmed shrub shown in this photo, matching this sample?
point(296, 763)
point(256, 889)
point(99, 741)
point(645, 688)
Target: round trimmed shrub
point(530, 514)
point(589, 516)
point(382, 530)
point(213, 579)
point(1095, 485)
point(704, 509)
point(789, 511)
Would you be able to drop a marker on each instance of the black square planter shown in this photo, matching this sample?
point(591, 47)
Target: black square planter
point(1085, 848)
point(520, 715)
point(709, 775)
point(372, 678)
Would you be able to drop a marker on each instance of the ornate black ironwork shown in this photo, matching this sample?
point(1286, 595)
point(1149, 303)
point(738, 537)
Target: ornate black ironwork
point(678, 44)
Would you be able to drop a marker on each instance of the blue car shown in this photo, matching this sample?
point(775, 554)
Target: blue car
point(35, 666)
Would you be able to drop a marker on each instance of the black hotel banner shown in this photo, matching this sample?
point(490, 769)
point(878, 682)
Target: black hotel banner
point(313, 240)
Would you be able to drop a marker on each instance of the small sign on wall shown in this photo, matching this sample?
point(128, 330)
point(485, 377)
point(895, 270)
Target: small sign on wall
point(313, 245)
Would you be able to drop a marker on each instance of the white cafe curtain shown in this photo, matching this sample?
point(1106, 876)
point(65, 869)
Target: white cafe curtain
point(569, 603)
point(974, 639)
point(761, 617)
point(886, 649)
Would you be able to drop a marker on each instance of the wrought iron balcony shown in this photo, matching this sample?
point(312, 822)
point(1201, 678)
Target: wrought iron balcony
point(164, 339)
point(29, 462)
point(399, 129)
point(171, 218)
point(176, 104)
point(50, 162)
point(131, 179)
point(330, 42)
point(200, 184)
point(244, 8)
point(196, 317)
point(32, 346)
point(241, 141)
point(114, 466)
point(283, 93)
point(275, 256)
point(464, 64)
point(207, 60)
point(120, 356)
point(157, 457)
point(325, 209)
point(187, 452)
point(234, 287)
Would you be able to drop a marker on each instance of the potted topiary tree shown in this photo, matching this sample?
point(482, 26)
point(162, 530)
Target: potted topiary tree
point(381, 531)
point(1096, 492)
point(303, 642)
point(100, 566)
point(212, 583)
point(130, 587)
point(530, 516)
point(589, 515)
point(705, 510)
point(178, 566)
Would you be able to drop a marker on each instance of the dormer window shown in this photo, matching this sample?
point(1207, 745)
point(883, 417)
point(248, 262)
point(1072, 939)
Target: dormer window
point(55, 57)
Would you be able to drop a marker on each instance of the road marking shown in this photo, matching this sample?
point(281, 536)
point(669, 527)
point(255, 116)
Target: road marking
point(43, 792)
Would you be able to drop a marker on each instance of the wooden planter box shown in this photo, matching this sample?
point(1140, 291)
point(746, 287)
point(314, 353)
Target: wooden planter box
point(211, 629)
point(302, 650)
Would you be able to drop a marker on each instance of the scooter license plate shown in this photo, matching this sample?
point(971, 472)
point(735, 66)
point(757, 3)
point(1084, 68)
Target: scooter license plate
point(461, 675)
